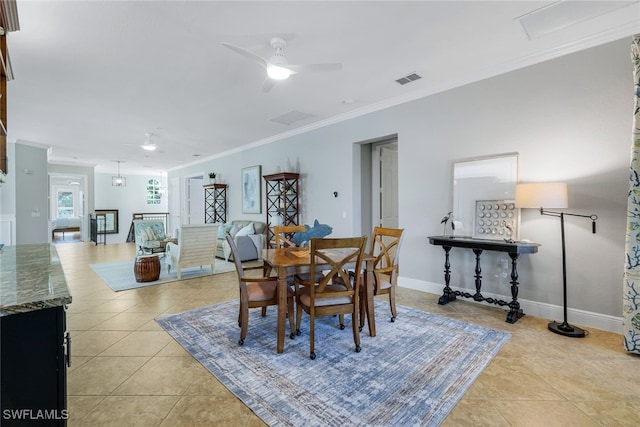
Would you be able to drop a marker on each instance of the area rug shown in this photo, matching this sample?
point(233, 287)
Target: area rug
point(412, 373)
point(119, 276)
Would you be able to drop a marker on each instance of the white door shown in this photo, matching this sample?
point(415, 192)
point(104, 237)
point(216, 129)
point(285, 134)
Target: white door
point(174, 206)
point(195, 200)
point(389, 186)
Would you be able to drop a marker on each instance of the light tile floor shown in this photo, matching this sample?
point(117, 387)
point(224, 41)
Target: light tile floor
point(127, 371)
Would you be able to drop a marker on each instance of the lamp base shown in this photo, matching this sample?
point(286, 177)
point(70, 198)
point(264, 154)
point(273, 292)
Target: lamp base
point(567, 330)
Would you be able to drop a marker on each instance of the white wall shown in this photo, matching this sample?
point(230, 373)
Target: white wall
point(127, 200)
point(570, 120)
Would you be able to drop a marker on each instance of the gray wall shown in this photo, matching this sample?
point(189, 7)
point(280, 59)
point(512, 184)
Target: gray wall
point(569, 119)
point(31, 195)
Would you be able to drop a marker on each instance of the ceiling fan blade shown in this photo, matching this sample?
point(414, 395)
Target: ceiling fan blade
point(268, 84)
point(247, 54)
point(313, 68)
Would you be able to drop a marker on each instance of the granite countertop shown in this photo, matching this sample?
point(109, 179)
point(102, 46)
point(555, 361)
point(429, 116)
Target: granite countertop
point(31, 278)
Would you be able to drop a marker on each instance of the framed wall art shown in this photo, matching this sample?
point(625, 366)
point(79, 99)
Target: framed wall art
point(110, 223)
point(251, 194)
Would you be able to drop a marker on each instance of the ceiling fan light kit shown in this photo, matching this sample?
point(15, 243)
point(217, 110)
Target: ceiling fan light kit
point(277, 72)
point(148, 143)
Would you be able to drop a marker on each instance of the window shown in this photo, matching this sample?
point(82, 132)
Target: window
point(153, 192)
point(65, 204)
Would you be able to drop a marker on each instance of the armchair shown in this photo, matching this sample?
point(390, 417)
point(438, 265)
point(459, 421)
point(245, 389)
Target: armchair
point(150, 236)
point(196, 247)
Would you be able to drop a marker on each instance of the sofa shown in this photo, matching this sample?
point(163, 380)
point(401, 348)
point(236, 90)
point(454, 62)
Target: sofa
point(249, 237)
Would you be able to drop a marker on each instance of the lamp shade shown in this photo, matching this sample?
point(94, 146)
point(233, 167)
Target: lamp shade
point(542, 195)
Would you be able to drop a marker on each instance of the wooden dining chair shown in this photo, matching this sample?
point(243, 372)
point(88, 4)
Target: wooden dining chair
point(385, 246)
point(256, 292)
point(324, 295)
point(284, 233)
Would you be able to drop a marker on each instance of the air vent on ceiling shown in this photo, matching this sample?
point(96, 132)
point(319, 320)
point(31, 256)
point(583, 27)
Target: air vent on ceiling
point(291, 117)
point(408, 79)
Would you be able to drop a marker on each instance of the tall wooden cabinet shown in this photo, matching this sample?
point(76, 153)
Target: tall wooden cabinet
point(3, 101)
point(215, 203)
point(8, 23)
point(282, 191)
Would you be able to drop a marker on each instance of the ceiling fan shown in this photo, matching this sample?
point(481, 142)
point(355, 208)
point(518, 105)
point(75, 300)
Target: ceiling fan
point(277, 66)
point(148, 144)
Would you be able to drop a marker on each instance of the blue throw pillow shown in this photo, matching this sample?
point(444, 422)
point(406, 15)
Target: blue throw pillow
point(158, 230)
point(222, 231)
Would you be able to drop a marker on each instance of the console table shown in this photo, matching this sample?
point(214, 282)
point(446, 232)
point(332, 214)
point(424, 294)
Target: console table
point(478, 246)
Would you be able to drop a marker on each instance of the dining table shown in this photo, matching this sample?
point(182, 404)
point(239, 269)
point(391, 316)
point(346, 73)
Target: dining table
point(293, 260)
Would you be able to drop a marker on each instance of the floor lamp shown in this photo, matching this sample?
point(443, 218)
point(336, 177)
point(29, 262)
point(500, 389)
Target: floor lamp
point(553, 195)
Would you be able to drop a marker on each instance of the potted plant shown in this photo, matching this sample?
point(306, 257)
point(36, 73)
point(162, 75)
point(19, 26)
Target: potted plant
point(212, 177)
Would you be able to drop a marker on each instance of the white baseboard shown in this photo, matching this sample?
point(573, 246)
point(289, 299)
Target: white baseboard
point(533, 308)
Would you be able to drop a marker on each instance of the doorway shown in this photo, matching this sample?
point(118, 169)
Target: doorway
point(68, 206)
point(194, 200)
point(379, 183)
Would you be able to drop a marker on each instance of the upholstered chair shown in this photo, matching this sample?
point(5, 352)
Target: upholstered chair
point(256, 292)
point(196, 247)
point(325, 295)
point(385, 246)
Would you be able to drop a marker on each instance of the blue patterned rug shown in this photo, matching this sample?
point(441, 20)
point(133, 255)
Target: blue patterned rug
point(412, 373)
point(119, 275)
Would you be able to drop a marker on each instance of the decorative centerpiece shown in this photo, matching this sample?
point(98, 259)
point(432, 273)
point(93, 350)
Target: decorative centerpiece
point(212, 177)
point(448, 217)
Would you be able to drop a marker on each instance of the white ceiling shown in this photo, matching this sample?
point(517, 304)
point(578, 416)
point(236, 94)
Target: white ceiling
point(91, 78)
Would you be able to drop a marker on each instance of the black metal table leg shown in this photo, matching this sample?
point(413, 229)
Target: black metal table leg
point(515, 311)
point(447, 293)
point(478, 296)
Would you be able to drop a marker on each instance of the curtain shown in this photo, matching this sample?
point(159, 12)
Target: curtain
point(631, 295)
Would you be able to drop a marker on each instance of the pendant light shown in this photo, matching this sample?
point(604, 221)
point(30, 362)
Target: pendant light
point(119, 180)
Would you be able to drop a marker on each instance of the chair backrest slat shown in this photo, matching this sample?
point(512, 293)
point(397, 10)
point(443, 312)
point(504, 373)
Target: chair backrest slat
point(338, 255)
point(283, 234)
point(385, 246)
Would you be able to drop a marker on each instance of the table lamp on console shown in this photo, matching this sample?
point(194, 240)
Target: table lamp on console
point(553, 195)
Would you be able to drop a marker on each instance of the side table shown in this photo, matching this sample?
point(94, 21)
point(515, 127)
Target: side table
point(147, 268)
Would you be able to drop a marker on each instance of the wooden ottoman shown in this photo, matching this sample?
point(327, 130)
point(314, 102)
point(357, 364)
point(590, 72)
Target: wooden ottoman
point(147, 268)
